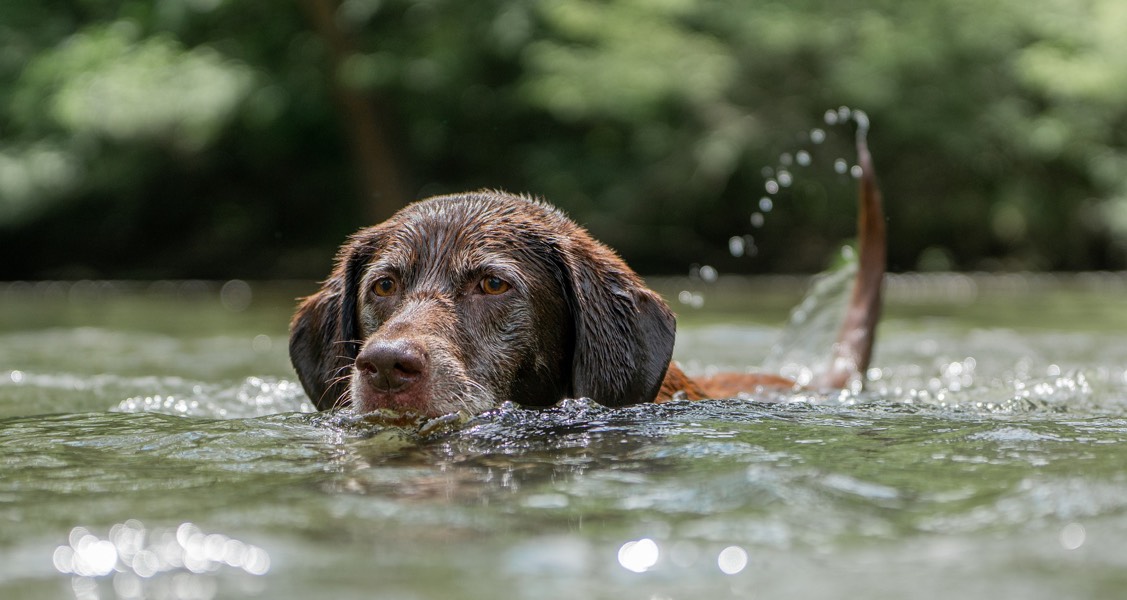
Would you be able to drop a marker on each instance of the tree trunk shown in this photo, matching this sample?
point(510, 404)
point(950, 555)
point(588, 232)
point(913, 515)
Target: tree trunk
point(380, 177)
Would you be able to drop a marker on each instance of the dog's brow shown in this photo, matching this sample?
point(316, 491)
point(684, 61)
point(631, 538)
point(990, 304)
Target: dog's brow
point(389, 263)
point(506, 267)
point(466, 264)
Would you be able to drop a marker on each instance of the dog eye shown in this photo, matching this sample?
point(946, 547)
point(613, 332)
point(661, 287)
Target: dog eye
point(494, 286)
point(385, 286)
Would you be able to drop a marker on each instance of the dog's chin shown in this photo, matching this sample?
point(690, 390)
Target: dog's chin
point(415, 402)
point(419, 401)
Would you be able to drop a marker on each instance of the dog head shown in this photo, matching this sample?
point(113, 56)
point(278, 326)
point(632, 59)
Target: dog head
point(458, 303)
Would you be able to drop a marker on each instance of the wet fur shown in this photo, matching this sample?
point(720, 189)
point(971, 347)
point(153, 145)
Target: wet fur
point(577, 322)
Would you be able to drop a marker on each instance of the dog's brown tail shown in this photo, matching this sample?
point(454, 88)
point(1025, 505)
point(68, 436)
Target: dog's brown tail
point(854, 346)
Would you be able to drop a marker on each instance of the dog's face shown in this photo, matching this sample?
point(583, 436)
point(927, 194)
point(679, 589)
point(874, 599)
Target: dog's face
point(460, 302)
point(460, 307)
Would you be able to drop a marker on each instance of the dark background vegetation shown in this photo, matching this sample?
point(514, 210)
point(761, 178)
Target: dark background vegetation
point(246, 138)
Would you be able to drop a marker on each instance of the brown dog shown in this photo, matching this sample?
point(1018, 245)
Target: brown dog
point(458, 303)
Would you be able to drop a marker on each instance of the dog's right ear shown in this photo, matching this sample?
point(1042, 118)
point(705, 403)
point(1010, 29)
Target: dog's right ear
point(623, 331)
point(325, 330)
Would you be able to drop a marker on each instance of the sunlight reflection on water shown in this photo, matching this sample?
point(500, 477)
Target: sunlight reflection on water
point(134, 555)
point(732, 560)
point(986, 448)
point(639, 556)
point(254, 397)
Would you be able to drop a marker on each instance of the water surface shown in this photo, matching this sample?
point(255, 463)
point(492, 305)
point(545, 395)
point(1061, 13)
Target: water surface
point(156, 445)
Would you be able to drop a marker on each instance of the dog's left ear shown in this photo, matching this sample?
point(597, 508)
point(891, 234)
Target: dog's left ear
point(325, 332)
point(623, 330)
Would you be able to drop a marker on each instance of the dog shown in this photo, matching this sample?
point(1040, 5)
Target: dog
point(458, 303)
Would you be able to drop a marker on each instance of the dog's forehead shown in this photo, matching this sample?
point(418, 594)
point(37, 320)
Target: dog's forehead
point(469, 231)
point(478, 214)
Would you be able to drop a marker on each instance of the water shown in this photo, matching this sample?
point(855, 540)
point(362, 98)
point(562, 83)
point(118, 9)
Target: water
point(155, 445)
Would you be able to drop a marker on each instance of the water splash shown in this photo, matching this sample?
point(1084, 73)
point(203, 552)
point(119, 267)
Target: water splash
point(705, 273)
point(777, 180)
point(800, 352)
point(781, 176)
point(254, 397)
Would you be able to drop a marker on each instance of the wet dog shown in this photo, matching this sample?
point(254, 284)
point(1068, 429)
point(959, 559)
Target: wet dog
point(458, 303)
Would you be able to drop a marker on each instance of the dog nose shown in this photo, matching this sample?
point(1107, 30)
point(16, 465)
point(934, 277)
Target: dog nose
point(393, 365)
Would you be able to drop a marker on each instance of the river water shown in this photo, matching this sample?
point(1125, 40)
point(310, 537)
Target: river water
point(156, 445)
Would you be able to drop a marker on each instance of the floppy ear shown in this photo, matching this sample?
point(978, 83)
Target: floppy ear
point(623, 331)
point(325, 332)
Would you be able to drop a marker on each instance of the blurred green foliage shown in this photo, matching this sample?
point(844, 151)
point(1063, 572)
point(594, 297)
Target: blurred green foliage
point(216, 138)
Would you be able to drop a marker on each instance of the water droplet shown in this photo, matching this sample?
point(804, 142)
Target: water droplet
point(1072, 536)
point(772, 186)
point(803, 158)
point(639, 556)
point(831, 117)
point(750, 249)
point(817, 135)
point(256, 561)
point(785, 178)
point(843, 113)
point(145, 563)
point(732, 560)
point(840, 166)
point(235, 295)
point(861, 118)
point(63, 559)
point(708, 274)
point(856, 171)
point(94, 557)
point(736, 246)
point(766, 204)
point(757, 221)
point(77, 534)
